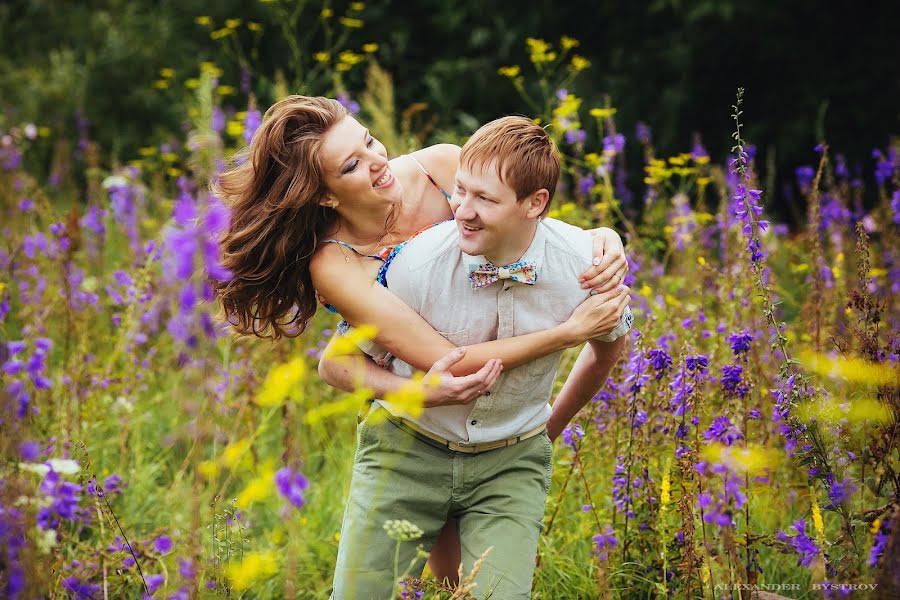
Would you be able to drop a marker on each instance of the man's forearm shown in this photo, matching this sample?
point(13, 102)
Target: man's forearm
point(588, 375)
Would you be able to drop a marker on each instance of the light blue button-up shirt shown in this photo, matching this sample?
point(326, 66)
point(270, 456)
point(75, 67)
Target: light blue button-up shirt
point(430, 274)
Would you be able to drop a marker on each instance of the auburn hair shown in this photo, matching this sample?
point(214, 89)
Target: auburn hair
point(273, 189)
point(526, 158)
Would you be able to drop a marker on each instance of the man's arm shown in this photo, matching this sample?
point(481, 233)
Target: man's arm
point(586, 378)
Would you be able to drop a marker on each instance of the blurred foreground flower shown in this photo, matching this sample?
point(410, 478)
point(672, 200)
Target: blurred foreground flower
point(255, 567)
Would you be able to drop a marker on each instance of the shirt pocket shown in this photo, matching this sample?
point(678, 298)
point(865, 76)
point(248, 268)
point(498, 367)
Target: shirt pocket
point(457, 338)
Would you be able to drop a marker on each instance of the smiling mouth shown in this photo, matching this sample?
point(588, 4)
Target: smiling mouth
point(383, 179)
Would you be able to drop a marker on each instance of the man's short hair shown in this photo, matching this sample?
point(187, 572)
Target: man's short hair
point(526, 158)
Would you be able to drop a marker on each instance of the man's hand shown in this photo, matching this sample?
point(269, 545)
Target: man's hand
point(610, 264)
point(598, 315)
point(443, 389)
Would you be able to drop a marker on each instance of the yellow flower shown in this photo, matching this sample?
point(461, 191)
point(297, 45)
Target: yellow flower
point(855, 370)
point(147, 151)
point(510, 72)
point(645, 291)
point(225, 90)
point(876, 525)
point(370, 48)
point(322, 57)
point(281, 382)
point(349, 404)
point(169, 157)
point(326, 12)
point(253, 26)
point(192, 83)
point(208, 468)
point(220, 33)
point(703, 181)
point(349, 342)
point(410, 398)
point(357, 6)
point(350, 22)
point(254, 567)
point(672, 300)
point(351, 58)
point(257, 489)
point(701, 261)
point(173, 172)
point(211, 68)
point(232, 23)
point(343, 67)
point(580, 63)
point(161, 84)
point(2, 287)
point(43, 131)
point(539, 50)
point(204, 20)
point(817, 515)
point(602, 113)
point(166, 72)
point(567, 43)
point(701, 160)
point(235, 452)
point(568, 107)
point(664, 496)
point(234, 128)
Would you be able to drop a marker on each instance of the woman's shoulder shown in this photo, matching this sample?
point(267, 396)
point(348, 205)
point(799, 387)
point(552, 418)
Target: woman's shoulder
point(441, 160)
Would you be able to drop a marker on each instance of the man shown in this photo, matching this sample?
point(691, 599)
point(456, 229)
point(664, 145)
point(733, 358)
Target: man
point(497, 271)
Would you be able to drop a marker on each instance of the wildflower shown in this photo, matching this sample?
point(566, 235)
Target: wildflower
point(281, 382)
point(203, 20)
point(402, 530)
point(660, 360)
point(326, 13)
point(801, 543)
point(614, 143)
point(572, 433)
point(291, 484)
point(740, 342)
point(881, 529)
point(351, 105)
point(723, 431)
point(732, 380)
point(840, 492)
point(253, 26)
point(257, 489)
point(351, 22)
point(579, 63)
point(162, 544)
point(567, 43)
point(254, 567)
point(605, 541)
point(643, 133)
point(370, 48)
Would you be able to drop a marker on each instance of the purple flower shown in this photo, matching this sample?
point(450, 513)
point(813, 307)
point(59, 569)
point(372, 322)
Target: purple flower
point(291, 484)
point(805, 175)
point(840, 492)
point(80, 589)
point(740, 342)
point(217, 120)
point(605, 541)
point(801, 543)
point(614, 143)
point(162, 544)
point(643, 133)
point(572, 433)
point(251, 123)
point(153, 582)
point(723, 431)
point(576, 136)
point(699, 363)
point(732, 380)
point(186, 568)
point(660, 360)
point(351, 105)
point(878, 545)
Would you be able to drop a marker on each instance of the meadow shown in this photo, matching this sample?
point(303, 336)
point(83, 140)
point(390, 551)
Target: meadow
point(746, 441)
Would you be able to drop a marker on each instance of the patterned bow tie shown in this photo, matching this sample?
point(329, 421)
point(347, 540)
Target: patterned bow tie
point(487, 273)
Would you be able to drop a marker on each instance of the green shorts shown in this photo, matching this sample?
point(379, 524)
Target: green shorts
point(497, 497)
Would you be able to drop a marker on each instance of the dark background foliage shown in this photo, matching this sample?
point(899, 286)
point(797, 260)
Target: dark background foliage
point(811, 69)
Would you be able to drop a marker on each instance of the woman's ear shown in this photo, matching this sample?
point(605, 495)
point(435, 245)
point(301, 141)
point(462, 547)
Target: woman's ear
point(328, 202)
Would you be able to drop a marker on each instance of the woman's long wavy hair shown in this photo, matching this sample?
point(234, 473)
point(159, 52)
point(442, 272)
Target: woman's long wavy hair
point(273, 191)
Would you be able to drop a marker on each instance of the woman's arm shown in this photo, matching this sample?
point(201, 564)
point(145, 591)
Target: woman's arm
point(610, 264)
point(351, 288)
point(350, 372)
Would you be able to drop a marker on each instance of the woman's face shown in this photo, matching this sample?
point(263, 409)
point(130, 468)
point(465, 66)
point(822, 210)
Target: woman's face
point(356, 167)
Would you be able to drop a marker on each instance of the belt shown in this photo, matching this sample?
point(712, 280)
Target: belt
point(436, 440)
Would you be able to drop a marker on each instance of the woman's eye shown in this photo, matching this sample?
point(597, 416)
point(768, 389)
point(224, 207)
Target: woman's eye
point(370, 142)
point(351, 168)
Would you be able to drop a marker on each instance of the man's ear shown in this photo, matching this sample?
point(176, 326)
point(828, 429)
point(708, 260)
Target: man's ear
point(537, 203)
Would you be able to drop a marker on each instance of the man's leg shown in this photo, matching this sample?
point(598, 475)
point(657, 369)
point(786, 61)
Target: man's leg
point(395, 476)
point(504, 507)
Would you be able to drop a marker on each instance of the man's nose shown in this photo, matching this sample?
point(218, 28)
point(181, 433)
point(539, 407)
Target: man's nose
point(466, 210)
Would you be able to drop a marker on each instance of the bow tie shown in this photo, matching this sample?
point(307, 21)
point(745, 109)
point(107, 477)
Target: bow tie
point(487, 273)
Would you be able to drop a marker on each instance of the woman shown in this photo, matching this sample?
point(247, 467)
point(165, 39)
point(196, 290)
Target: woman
point(317, 206)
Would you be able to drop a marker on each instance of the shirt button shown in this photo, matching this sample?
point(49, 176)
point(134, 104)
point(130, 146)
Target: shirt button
point(473, 422)
point(487, 393)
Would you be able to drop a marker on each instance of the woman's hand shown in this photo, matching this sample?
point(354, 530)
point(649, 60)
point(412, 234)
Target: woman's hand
point(610, 264)
point(598, 315)
point(443, 389)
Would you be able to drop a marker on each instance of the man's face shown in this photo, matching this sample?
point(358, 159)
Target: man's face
point(490, 220)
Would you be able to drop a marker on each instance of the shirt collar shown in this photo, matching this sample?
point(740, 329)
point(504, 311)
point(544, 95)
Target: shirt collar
point(534, 253)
